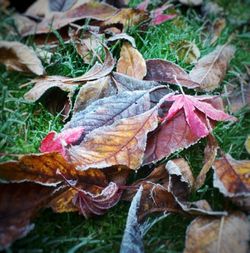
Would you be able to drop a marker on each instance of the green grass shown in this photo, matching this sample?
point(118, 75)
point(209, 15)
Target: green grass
point(23, 125)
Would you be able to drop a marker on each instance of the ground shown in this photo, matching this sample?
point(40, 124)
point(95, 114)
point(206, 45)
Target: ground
point(23, 125)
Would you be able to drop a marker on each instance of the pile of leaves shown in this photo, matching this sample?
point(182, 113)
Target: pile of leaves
point(122, 116)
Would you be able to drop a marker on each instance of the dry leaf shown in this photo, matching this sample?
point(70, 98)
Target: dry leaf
point(188, 52)
point(122, 36)
point(218, 27)
point(211, 69)
point(131, 62)
point(166, 71)
point(210, 153)
point(122, 143)
point(18, 204)
point(232, 177)
point(226, 234)
point(18, 57)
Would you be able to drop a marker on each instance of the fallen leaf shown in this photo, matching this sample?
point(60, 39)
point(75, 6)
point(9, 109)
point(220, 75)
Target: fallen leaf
point(211, 8)
point(44, 169)
point(191, 2)
point(61, 5)
point(126, 17)
point(93, 10)
point(98, 70)
point(226, 234)
point(218, 26)
point(39, 8)
point(18, 204)
point(211, 69)
point(18, 57)
point(127, 83)
point(131, 62)
point(54, 142)
point(188, 52)
point(232, 177)
point(158, 16)
point(54, 93)
point(122, 36)
point(143, 6)
point(247, 144)
point(166, 71)
point(238, 97)
point(121, 143)
point(210, 153)
point(177, 132)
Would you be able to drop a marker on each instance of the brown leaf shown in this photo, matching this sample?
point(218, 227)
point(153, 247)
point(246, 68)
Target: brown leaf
point(166, 71)
point(131, 62)
point(211, 69)
point(18, 204)
point(218, 26)
point(44, 169)
point(18, 57)
point(122, 143)
point(122, 36)
point(127, 17)
point(92, 91)
point(226, 234)
point(210, 153)
point(93, 10)
point(124, 82)
point(238, 97)
point(232, 177)
point(54, 93)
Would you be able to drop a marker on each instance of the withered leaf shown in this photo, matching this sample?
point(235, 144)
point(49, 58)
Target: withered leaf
point(191, 2)
point(18, 57)
point(124, 82)
point(211, 69)
point(226, 234)
point(43, 169)
point(166, 71)
point(54, 93)
point(210, 153)
point(218, 26)
point(131, 62)
point(93, 10)
point(232, 177)
point(98, 70)
point(106, 111)
point(122, 143)
point(122, 36)
point(61, 5)
point(127, 17)
point(92, 91)
point(18, 204)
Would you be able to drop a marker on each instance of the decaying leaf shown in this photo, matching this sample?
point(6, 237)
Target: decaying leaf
point(54, 142)
point(54, 93)
point(127, 17)
point(121, 143)
point(93, 10)
point(182, 128)
point(226, 234)
point(122, 36)
point(211, 69)
point(18, 204)
point(218, 27)
point(188, 52)
point(210, 153)
point(158, 17)
point(44, 169)
point(232, 177)
point(238, 97)
point(92, 91)
point(18, 57)
point(131, 62)
point(247, 144)
point(166, 71)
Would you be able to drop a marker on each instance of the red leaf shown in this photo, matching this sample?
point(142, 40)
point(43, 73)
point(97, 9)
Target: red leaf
point(58, 142)
point(190, 105)
point(161, 18)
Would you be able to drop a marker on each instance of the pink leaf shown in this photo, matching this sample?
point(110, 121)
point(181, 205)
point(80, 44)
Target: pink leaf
point(54, 142)
point(161, 18)
point(143, 5)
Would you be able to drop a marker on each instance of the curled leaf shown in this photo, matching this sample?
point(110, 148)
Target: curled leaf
point(18, 57)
